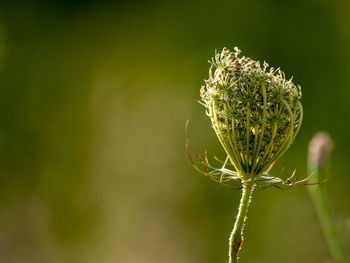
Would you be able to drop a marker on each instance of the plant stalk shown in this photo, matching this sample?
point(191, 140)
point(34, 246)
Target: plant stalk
point(236, 237)
point(325, 217)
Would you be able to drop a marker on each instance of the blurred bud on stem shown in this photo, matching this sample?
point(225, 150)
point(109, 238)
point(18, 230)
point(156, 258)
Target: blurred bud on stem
point(319, 149)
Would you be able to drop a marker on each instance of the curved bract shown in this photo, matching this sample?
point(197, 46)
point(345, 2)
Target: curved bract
point(255, 112)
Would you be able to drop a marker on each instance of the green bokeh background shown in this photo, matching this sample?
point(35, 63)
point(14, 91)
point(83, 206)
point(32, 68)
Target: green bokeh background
point(94, 101)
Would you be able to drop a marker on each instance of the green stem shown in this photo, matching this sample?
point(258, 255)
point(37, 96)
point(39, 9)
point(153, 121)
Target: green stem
point(325, 217)
point(236, 237)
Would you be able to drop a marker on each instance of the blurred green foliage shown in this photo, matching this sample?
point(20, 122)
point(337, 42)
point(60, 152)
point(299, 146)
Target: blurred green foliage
point(94, 101)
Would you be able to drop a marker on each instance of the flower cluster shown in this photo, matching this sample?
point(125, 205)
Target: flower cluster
point(255, 112)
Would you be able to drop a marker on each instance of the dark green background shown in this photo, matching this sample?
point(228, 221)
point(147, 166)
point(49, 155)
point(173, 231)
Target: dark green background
point(94, 100)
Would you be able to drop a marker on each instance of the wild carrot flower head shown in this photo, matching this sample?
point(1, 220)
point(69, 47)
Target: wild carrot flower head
point(255, 112)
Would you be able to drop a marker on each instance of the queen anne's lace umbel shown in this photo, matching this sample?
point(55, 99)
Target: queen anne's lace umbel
point(255, 112)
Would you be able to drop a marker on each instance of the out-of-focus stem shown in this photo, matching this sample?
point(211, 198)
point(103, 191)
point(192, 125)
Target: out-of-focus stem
point(319, 149)
point(236, 237)
point(326, 219)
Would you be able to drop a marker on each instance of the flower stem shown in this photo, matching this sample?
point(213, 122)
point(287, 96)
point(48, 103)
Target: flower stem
point(236, 237)
point(325, 217)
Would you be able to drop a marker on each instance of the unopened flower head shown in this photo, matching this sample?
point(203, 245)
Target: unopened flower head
point(319, 149)
point(255, 112)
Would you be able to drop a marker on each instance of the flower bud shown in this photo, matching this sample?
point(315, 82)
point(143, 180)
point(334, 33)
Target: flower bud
point(255, 112)
point(319, 149)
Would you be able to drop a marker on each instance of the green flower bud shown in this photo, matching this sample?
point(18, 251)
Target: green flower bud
point(255, 112)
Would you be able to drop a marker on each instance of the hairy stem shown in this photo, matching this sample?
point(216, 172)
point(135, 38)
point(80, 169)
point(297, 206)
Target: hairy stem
point(236, 237)
point(325, 216)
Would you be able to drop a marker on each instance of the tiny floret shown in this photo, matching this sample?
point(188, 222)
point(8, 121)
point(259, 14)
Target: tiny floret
point(254, 110)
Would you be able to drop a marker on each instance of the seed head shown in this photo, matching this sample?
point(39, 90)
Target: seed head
point(255, 112)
